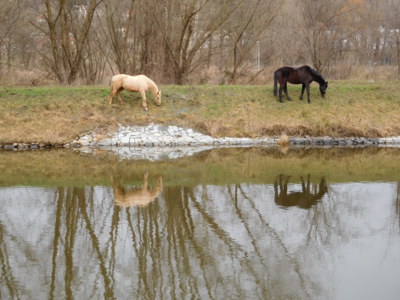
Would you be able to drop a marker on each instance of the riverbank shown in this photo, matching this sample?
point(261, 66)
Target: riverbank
point(156, 135)
point(54, 116)
point(160, 136)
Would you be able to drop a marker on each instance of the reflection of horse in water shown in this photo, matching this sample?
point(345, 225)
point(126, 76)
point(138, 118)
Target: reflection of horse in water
point(304, 199)
point(138, 196)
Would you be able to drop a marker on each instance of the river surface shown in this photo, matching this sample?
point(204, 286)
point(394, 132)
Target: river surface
point(257, 223)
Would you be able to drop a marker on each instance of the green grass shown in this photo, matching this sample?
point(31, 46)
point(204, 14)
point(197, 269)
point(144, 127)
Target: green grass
point(57, 114)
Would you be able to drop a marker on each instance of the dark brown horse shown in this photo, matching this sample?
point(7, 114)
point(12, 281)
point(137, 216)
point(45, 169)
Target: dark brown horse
point(303, 75)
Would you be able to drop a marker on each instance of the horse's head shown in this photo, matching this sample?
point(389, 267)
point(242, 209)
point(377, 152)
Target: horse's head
point(158, 97)
point(323, 87)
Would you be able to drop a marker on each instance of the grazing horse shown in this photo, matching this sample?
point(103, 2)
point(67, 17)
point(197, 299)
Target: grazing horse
point(304, 199)
point(139, 83)
point(303, 75)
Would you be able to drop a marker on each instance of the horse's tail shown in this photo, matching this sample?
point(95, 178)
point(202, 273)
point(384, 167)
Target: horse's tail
point(275, 84)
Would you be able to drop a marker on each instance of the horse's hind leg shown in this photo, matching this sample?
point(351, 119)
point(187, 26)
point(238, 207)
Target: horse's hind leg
point(280, 93)
point(119, 96)
point(119, 99)
point(114, 92)
point(111, 97)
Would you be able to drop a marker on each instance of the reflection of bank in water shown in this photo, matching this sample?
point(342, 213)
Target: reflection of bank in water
point(152, 153)
point(141, 196)
point(309, 195)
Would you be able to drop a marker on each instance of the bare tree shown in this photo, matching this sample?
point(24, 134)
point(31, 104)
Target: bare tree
point(390, 30)
point(186, 26)
point(326, 31)
point(9, 15)
point(68, 24)
point(118, 18)
point(176, 40)
point(246, 28)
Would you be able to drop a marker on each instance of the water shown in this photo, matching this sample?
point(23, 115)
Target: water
point(223, 224)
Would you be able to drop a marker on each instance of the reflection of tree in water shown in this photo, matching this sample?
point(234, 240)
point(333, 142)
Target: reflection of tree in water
point(74, 214)
point(181, 246)
point(8, 282)
point(206, 241)
point(397, 203)
point(281, 251)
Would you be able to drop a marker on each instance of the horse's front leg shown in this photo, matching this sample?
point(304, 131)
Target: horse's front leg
point(308, 92)
point(110, 98)
point(144, 100)
point(303, 87)
point(286, 93)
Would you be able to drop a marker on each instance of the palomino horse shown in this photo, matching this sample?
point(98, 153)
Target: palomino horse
point(303, 75)
point(304, 199)
point(139, 83)
point(138, 196)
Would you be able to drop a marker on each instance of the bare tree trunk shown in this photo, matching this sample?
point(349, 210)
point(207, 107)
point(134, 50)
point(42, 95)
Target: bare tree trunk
point(9, 17)
point(52, 35)
point(247, 26)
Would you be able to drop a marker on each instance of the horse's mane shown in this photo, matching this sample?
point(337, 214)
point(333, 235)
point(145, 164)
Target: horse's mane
point(316, 75)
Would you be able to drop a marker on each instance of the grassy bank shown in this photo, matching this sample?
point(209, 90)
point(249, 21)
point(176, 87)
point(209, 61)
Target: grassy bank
point(57, 114)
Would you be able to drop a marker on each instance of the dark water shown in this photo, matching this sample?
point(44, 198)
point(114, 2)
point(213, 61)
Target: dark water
point(222, 224)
